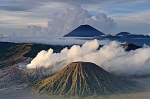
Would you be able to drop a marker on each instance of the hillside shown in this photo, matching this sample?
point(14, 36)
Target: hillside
point(5, 45)
point(12, 53)
point(13, 75)
point(123, 34)
point(35, 48)
point(81, 79)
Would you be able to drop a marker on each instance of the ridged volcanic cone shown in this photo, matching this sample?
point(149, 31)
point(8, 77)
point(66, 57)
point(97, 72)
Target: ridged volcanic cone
point(81, 79)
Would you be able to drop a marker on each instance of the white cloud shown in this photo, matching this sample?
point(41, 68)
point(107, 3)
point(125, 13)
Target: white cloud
point(68, 20)
point(111, 57)
point(20, 38)
point(136, 23)
point(36, 12)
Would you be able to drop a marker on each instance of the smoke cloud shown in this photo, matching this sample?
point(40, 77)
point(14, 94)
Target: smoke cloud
point(68, 20)
point(111, 57)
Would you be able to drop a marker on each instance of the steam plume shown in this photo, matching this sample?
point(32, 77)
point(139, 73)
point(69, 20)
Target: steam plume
point(111, 57)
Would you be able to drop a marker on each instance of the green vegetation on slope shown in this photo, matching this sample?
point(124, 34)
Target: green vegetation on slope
point(14, 52)
point(13, 55)
point(5, 45)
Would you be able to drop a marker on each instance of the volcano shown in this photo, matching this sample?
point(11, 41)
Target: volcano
point(80, 79)
point(84, 31)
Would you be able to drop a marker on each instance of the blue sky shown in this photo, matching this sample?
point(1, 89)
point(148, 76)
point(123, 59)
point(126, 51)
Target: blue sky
point(130, 15)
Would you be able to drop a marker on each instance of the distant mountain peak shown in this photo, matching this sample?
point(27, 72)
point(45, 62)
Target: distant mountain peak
point(123, 34)
point(84, 31)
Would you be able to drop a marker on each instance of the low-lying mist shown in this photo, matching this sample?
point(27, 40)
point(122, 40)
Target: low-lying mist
point(111, 57)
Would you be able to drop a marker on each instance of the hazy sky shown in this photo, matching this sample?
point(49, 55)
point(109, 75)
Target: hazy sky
point(129, 15)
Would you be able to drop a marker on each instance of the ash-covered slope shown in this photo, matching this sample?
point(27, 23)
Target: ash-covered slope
point(81, 79)
point(14, 75)
point(84, 31)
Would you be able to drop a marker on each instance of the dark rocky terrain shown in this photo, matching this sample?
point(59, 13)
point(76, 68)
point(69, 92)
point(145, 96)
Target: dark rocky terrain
point(14, 75)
